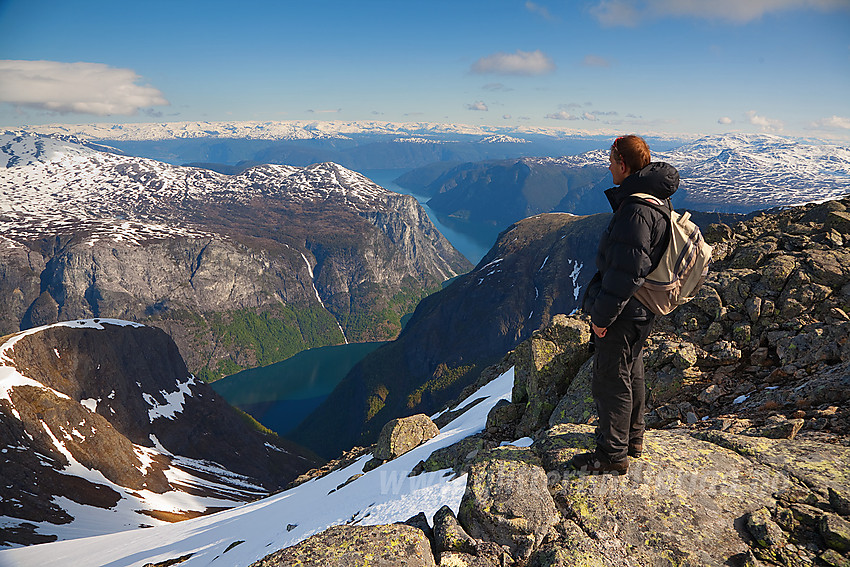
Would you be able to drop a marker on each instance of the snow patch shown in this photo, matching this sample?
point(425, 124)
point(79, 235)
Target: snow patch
point(174, 401)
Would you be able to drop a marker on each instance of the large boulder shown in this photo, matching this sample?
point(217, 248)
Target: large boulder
point(545, 367)
point(357, 546)
point(507, 501)
point(576, 405)
point(403, 434)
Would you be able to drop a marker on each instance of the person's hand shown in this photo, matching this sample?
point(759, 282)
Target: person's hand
point(599, 331)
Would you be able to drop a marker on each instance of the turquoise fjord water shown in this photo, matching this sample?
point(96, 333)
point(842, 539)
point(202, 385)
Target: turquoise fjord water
point(281, 395)
point(470, 240)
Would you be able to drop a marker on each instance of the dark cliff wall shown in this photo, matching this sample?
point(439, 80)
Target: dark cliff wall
point(538, 268)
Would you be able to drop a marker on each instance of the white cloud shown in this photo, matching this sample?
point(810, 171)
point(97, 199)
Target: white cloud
point(519, 63)
point(833, 122)
point(496, 87)
point(595, 61)
point(561, 115)
point(631, 13)
point(506, 116)
point(616, 13)
point(763, 122)
point(536, 8)
point(477, 105)
point(589, 116)
point(724, 120)
point(87, 88)
point(328, 111)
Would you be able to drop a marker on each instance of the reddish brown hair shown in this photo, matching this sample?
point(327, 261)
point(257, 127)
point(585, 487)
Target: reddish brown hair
point(631, 150)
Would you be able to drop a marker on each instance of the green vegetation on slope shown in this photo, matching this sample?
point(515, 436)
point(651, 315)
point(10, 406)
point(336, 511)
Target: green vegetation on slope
point(272, 335)
point(369, 325)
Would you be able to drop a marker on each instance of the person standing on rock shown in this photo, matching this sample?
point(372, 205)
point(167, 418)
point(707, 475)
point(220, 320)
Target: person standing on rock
point(630, 248)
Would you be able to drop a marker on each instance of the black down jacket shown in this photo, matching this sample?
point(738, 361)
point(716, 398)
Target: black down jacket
point(631, 246)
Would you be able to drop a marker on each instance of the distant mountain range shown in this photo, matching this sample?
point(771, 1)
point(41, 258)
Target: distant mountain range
point(241, 270)
point(297, 130)
point(732, 173)
point(355, 145)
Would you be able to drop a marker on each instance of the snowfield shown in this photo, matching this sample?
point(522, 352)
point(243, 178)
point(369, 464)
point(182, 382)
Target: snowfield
point(252, 531)
point(50, 186)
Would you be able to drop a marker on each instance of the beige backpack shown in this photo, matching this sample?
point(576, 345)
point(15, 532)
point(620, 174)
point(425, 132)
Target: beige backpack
point(683, 267)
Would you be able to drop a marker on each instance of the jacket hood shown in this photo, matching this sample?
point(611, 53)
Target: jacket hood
point(659, 179)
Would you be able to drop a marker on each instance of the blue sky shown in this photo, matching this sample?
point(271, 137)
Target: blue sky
point(647, 66)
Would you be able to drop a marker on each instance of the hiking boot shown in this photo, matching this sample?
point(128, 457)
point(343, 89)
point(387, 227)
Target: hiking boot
point(635, 449)
point(594, 463)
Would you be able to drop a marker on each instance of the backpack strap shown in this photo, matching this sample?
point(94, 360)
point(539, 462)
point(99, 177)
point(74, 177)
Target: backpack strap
point(646, 198)
point(665, 207)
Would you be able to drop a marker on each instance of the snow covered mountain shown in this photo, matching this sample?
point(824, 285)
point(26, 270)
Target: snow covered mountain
point(47, 184)
point(103, 429)
point(739, 173)
point(320, 253)
point(383, 495)
point(729, 174)
point(284, 130)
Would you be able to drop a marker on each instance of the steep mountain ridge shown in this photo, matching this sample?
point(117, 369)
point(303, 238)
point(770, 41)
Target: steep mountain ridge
point(537, 268)
point(320, 249)
point(101, 418)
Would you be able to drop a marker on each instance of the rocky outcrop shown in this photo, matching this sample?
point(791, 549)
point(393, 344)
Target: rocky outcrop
point(744, 461)
point(546, 365)
point(357, 546)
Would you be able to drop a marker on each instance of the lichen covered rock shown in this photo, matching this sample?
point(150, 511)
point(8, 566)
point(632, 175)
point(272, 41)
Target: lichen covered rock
point(449, 535)
point(577, 405)
point(507, 502)
point(403, 434)
point(357, 546)
point(545, 366)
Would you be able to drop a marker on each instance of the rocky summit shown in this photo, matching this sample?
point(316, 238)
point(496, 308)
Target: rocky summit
point(103, 429)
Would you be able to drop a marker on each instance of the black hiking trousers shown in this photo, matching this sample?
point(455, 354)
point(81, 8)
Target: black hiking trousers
point(618, 386)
